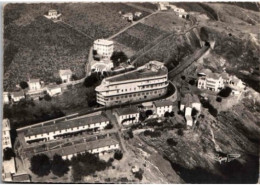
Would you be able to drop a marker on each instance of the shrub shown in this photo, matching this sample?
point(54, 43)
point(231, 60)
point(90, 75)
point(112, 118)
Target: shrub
point(219, 99)
point(130, 134)
point(148, 113)
point(47, 97)
point(40, 165)
point(225, 92)
point(183, 77)
point(139, 174)
point(171, 142)
point(8, 154)
point(58, 81)
point(118, 155)
point(91, 80)
point(109, 126)
point(24, 85)
point(59, 166)
point(166, 114)
point(192, 82)
point(180, 132)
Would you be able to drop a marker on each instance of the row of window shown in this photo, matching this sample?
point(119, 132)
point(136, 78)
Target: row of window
point(70, 129)
point(133, 95)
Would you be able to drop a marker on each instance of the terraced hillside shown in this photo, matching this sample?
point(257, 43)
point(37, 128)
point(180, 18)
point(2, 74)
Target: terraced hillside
point(36, 46)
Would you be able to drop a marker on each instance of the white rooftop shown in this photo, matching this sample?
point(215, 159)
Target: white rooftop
point(103, 42)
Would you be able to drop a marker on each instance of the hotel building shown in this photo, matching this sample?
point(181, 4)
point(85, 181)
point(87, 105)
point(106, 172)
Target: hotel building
point(104, 47)
point(145, 83)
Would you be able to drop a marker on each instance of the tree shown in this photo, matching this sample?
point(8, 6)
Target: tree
point(74, 77)
point(87, 164)
point(118, 155)
point(109, 126)
point(171, 142)
point(40, 165)
point(148, 113)
point(219, 99)
point(47, 97)
point(225, 92)
point(118, 57)
point(8, 154)
point(24, 85)
point(58, 81)
point(192, 82)
point(91, 80)
point(166, 114)
point(180, 132)
point(59, 166)
point(139, 174)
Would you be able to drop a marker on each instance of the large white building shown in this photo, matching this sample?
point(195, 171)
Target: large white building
point(104, 47)
point(145, 83)
point(210, 81)
point(46, 132)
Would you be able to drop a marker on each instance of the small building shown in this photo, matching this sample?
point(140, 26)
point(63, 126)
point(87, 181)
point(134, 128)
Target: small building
point(147, 106)
point(104, 48)
point(34, 84)
point(65, 75)
point(138, 14)
point(5, 97)
point(189, 120)
point(53, 14)
point(128, 16)
point(20, 178)
point(209, 80)
point(127, 116)
point(163, 106)
point(17, 96)
point(6, 137)
point(53, 90)
point(189, 102)
point(9, 166)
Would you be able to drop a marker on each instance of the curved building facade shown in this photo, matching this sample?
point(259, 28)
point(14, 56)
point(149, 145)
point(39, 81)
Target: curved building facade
point(146, 82)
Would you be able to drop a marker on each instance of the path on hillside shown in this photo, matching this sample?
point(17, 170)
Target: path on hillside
point(134, 23)
point(176, 35)
point(82, 33)
point(187, 62)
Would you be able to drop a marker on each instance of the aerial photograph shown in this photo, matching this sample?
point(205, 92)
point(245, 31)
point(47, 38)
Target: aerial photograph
point(131, 92)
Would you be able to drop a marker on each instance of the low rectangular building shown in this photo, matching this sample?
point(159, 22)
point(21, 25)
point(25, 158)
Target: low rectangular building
point(127, 116)
point(65, 75)
point(63, 129)
point(163, 106)
point(17, 96)
point(94, 147)
point(53, 90)
point(34, 84)
point(6, 138)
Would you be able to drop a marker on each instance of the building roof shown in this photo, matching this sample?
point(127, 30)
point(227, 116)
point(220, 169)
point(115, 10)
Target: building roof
point(188, 118)
point(53, 86)
point(151, 69)
point(65, 72)
point(35, 80)
point(18, 94)
point(126, 111)
point(51, 127)
point(225, 75)
point(21, 178)
point(162, 103)
point(214, 75)
point(81, 147)
point(103, 42)
point(9, 165)
point(204, 72)
point(189, 99)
